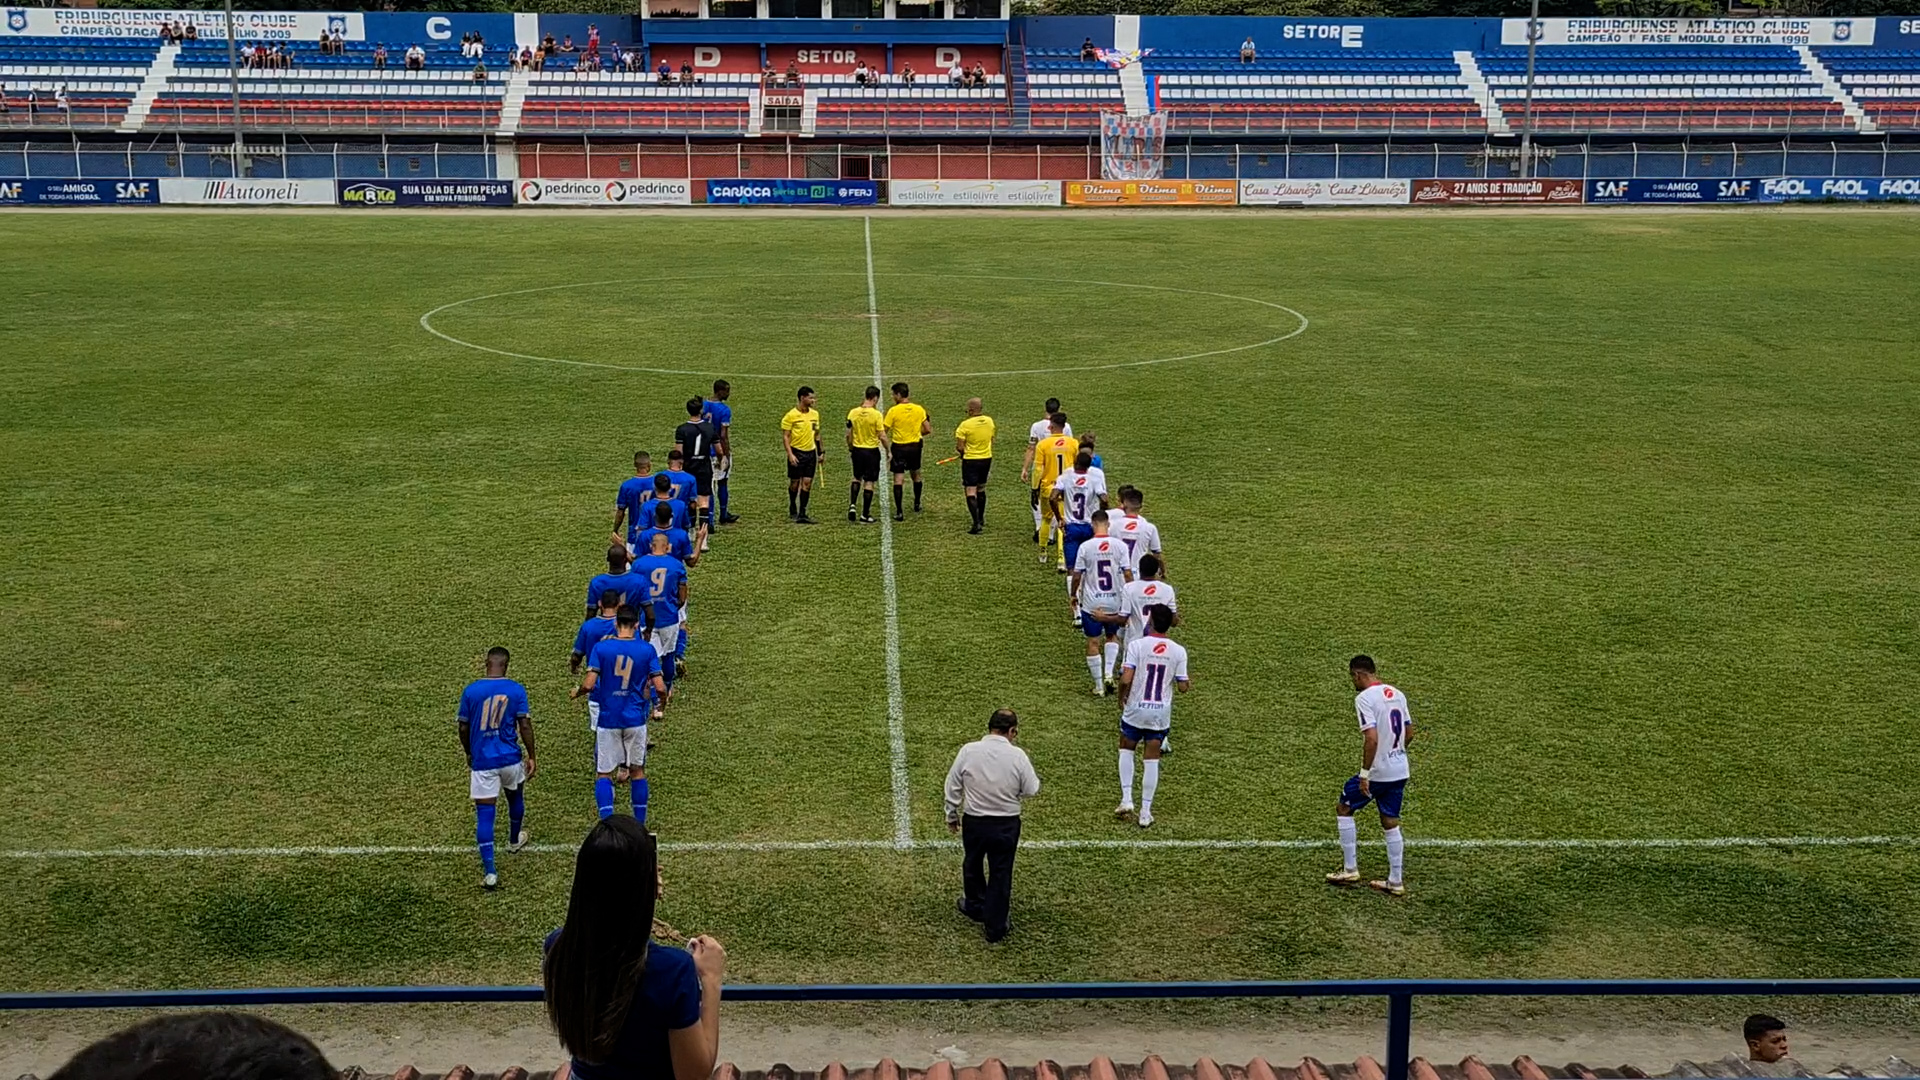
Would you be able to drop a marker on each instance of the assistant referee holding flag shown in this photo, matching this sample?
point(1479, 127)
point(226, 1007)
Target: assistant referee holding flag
point(988, 780)
point(973, 441)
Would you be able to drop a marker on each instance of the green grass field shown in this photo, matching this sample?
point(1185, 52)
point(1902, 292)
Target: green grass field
point(1627, 504)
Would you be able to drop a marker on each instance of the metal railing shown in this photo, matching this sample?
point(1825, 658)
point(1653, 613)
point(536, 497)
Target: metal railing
point(423, 115)
point(1399, 995)
point(538, 117)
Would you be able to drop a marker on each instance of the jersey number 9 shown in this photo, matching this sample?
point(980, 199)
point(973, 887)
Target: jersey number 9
point(1398, 725)
point(659, 579)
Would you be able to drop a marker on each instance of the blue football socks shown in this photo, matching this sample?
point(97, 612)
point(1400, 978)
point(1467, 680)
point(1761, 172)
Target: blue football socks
point(603, 795)
point(483, 833)
point(640, 800)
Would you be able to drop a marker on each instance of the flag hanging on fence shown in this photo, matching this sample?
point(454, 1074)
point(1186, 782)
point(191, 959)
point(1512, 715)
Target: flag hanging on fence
point(1116, 59)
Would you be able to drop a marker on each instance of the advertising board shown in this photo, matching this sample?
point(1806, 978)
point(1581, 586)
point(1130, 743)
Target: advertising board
point(793, 192)
point(1848, 188)
point(425, 192)
point(78, 192)
point(1151, 192)
point(531, 192)
point(1497, 191)
point(1780, 31)
point(974, 192)
point(144, 23)
point(1325, 192)
point(213, 192)
point(1671, 191)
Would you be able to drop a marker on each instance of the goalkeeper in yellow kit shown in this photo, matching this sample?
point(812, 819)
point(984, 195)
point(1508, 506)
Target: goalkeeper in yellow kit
point(1052, 456)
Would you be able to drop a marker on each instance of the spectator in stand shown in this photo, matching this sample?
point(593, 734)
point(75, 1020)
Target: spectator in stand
point(192, 32)
point(246, 55)
point(533, 59)
point(1766, 1038)
point(416, 58)
point(60, 99)
point(380, 57)
point(687, 75)
point(166, 32)
point(593, 39)
point(1248, 54)
point(339, 43)
point(860, 73)
point(793, 73)
point(566, 44)
point(280, 58)
point(466, 46)
point(548, 47)
point(1089, 51)
point(767, 77)
point(622, 1003)
point(906, 75)
point(980, 74)
point(666, 73)
point(203, 1044)
point(326, 44)
point(480, 71)
point(956, 74)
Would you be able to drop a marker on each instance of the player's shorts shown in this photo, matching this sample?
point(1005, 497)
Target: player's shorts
point(593, 715)
point(1139, 734)
point(666, 641)
point(702, 471)
point(866, 463)
point(1387, 793)
point(486, 783)
point(1094, 628)
point(1073, 534)
point(617, 746)
point(973, 471)
point(805, 463)
point(721, 467)
point(906, 457)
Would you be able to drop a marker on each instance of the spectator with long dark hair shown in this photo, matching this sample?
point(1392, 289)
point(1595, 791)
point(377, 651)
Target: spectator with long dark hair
point(625, 1006)
point(207, 1044)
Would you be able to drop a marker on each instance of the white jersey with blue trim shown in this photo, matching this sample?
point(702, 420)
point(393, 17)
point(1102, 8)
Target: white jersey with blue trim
point(1102, 566)
point(1384, 709)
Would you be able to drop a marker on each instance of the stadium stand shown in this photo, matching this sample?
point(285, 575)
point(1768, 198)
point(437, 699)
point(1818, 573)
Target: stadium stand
point(573, 101)
point(97, 78)
point(1068, 93)
point(1652, 89)
point(931, 105)
point(1316, 92)
point(335, 91)
point(1885, 83)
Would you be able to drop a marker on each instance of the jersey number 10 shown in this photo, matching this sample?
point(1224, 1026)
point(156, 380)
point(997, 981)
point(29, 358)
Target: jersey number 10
point(493, 713)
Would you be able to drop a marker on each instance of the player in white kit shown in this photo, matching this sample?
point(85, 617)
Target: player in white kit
point(1076, 496)
point(1099, 574)
point(1029, 468)
point(1145, 590)
point(1155, 666)
point(1386, 727)
point(1141, 536)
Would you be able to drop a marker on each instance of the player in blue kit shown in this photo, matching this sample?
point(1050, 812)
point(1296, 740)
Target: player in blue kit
point(718, 413)
point(598, 625)
point(494, 722)
point(623, 675)
point(679, 544)
point(663, 496)
point(666, 596)
point(634, 490)
point(616, 578)
point(686, 486)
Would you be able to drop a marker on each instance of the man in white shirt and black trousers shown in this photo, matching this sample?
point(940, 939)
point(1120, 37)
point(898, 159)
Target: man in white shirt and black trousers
point(988, 780)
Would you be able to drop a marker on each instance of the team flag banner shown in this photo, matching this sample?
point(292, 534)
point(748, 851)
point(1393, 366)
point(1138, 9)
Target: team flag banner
point(1152, 193)
point(973, 192)
point(78, 192)
point(174, 189)
point(1116, 59)
point(1497, 191)
point(1325, 192)
point(533, 192)
point(1690, 32)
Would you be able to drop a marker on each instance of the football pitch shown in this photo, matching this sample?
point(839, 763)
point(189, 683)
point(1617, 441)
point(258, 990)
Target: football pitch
point(1625, 503)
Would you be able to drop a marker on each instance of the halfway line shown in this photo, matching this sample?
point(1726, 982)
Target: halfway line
point(750, 846)
point(896, 698)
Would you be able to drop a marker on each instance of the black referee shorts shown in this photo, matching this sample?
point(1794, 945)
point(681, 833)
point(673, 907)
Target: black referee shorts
point(866, 463)
point(906, 457)
point(973, 471)
point(804, 463)
point(702, 471)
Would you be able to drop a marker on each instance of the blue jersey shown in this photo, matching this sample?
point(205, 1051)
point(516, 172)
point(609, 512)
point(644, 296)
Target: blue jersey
point(491, 709)
point(684, 485)
point(682, 517)
point(623, 683)
point(634, 491)
point(719, 414)
point(590, 634)
point(665, 575)
point(679, 544)
point(631, 587)
point(1096, 462)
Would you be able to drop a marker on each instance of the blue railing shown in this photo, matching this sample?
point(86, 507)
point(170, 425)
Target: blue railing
point(1398, 992)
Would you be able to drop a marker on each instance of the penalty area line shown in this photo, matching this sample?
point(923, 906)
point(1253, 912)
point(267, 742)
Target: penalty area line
point(781, 846)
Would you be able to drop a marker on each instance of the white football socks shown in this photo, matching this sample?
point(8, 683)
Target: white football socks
point(1093, 665)
point(1110, 653)
point(1126, 778)
point(1149, 783)
point(1349, 843)
point(1395, 846)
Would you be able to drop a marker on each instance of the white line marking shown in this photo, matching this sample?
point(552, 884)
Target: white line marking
point(777, 846)
point(896, 697)
point(426, 323)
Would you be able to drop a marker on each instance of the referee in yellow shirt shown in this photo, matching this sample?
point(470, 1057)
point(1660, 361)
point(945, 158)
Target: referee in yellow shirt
point(866, 431)
point(800, 432)
point(973, 441)
point(907, 425)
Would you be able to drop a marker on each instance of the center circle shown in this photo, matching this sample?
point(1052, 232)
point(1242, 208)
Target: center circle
point(1024, 300)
